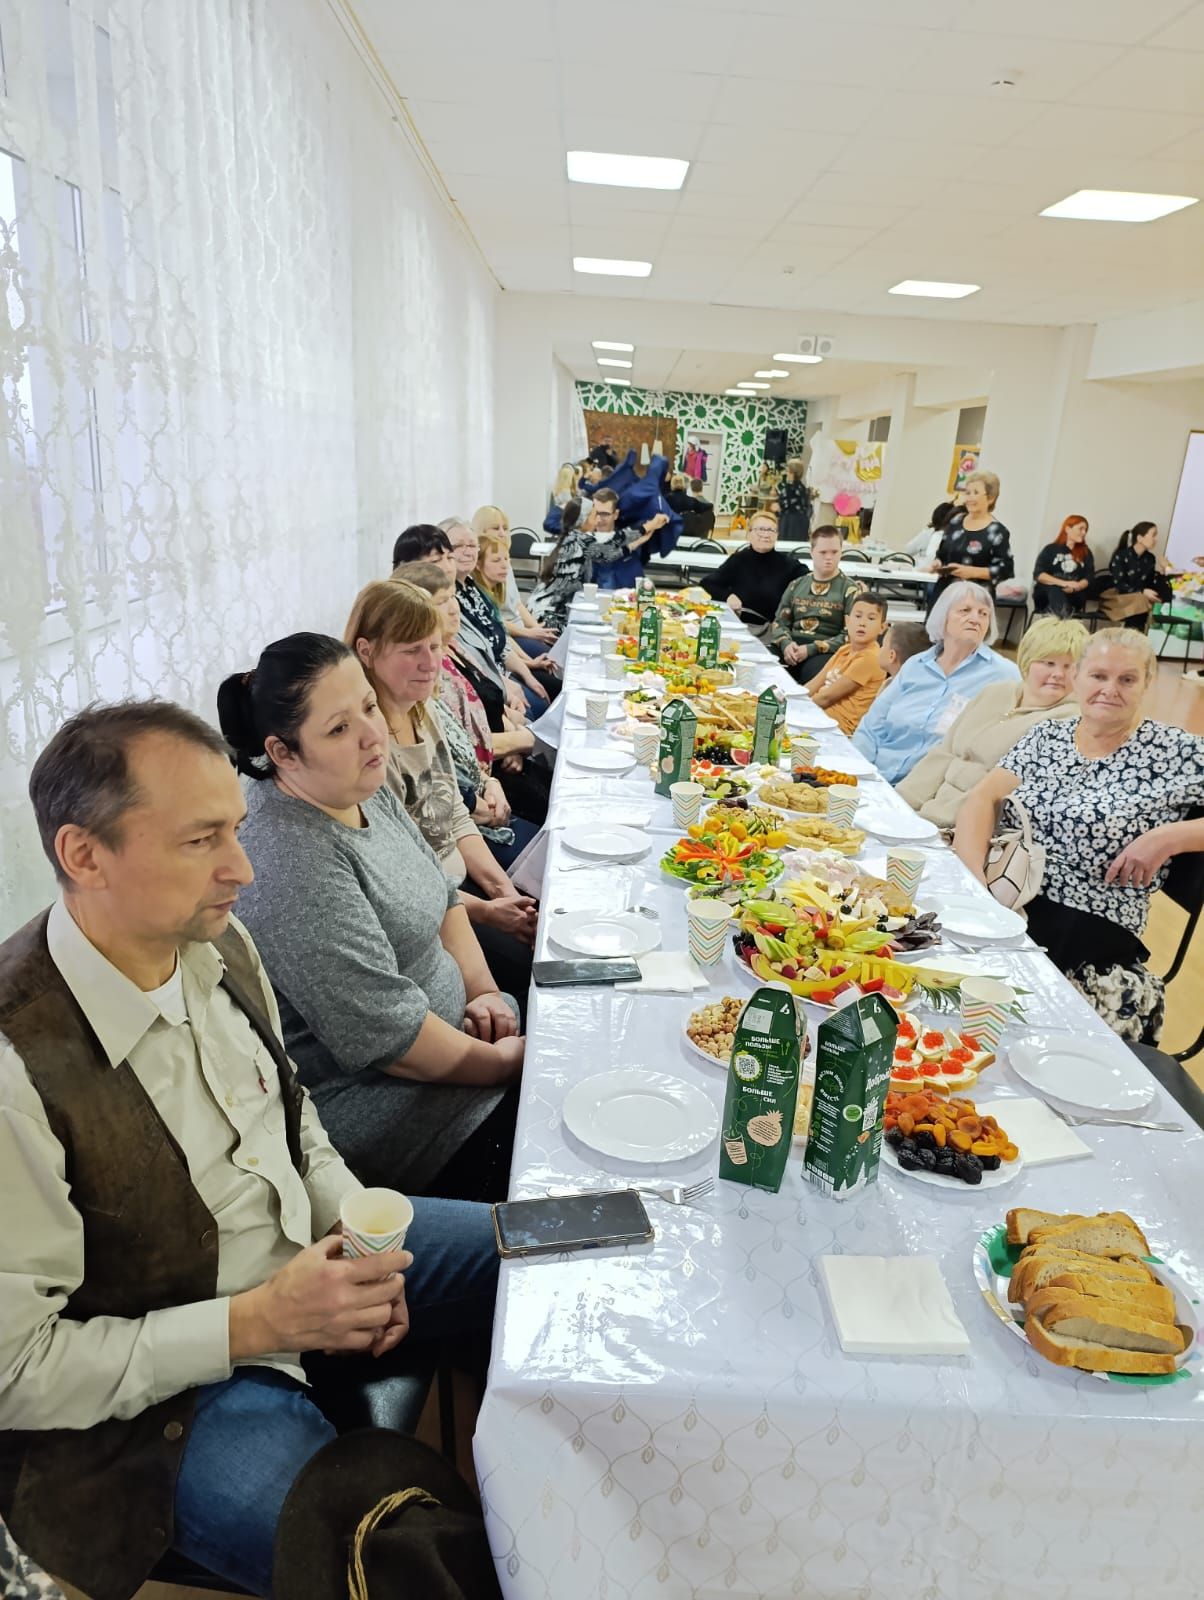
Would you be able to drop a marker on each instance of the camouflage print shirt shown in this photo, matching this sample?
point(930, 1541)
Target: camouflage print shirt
point(813, 614)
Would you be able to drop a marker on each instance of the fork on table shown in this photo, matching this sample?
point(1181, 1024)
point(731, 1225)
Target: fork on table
point(674, 1194)
point(1072, 1121)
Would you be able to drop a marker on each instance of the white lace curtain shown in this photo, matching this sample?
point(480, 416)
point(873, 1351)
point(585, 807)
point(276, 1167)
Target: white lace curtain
point(240, 346)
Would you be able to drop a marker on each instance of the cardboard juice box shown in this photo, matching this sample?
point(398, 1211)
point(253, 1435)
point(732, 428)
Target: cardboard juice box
point(678, 728)
point(707, 654)
point(762, 1090)
point(650, 634)
point(854, 1051)
point(645, 592)
point(767, 730)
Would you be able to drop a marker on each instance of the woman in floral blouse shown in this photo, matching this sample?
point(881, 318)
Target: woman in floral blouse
point(976, 545)
point(1108, 794)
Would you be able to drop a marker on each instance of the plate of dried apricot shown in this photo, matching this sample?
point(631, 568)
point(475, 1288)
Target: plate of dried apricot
point(943, 1141)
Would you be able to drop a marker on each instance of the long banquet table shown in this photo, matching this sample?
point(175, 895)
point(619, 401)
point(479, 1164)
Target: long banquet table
point(683, 558)
point(680, 1420)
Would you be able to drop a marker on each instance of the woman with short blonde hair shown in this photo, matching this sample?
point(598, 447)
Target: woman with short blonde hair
point(976, 547)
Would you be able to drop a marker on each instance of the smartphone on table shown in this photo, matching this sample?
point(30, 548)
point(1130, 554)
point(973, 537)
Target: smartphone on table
point(572, 974)
point(570, 1222)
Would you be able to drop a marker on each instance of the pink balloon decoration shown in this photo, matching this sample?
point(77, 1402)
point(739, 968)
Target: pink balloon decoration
point(847, 505)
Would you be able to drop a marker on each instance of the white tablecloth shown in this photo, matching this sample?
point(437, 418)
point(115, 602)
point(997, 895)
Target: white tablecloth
point(680, 1420)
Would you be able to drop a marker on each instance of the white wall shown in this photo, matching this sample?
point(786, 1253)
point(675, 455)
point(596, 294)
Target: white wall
point(525, 385)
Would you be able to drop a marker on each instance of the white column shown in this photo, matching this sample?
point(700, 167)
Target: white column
point(918, 454)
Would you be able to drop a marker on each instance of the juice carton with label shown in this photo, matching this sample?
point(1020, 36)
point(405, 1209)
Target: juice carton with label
point(767, 730)
point(762, 1089)
point(707, 654)
point(853, 1056)
point(679, 724)
point(645, 592)
point(650, 634)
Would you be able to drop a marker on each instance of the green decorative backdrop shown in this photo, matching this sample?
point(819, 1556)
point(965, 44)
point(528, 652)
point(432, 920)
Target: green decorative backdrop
point(742, 423)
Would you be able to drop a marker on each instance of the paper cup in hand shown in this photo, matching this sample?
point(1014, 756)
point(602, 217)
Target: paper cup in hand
point(616, 665)
point(985, 1008)
point(596, 707)
point(374, 1221)
point(842, 804)
point(687, 802)
point(647, 744)
point(904, 869)
point(708, 923)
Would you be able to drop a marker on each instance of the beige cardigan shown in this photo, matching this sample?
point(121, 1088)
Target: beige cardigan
point(986, 730)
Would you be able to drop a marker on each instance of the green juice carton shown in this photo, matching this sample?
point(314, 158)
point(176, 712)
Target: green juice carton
point(650, 634)
point(762, 1090)
point(678, 727)
point(645, 593)
point(854, 1051)
point(768, 728)
point(707, 654)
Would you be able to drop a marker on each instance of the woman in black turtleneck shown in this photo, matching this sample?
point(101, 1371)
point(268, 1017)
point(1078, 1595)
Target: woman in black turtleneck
point(755, 578)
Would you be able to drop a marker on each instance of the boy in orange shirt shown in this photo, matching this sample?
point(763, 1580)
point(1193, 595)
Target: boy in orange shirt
point(853, 678)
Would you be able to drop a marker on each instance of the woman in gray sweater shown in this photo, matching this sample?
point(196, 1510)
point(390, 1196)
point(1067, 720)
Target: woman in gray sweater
point(389, 1010)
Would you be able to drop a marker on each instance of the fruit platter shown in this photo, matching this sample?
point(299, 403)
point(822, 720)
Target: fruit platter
point(721, 862)
point(743, 821)
point(720, 782)
point(857, 895)
point(946, 1141)
point(821, 777)
point(829, 977)
point(936, 1058)
point(723, 746)
point(644, 705)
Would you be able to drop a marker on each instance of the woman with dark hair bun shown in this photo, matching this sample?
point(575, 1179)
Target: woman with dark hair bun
point(1133, 571)
point(387, 1005)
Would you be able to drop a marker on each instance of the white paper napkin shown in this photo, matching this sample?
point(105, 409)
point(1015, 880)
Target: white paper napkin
point(1039, 1133)
point(892, 1305)
point(666, 972)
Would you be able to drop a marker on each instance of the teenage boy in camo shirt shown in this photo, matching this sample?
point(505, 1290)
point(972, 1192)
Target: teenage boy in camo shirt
point(811, 624)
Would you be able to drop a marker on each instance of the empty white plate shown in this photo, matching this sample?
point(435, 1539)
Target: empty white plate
point(603, 843)
point(895, 822)
point(608, 760)
point(576, 708)
point(592, 628)
point(977, 918)
point(604, 933)
point(640, 1116)
point(599, 685)
point(1081, 1072)
point(846, 759)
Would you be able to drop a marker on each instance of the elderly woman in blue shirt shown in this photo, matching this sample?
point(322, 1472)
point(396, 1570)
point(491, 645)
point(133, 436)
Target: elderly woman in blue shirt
point(919, 706)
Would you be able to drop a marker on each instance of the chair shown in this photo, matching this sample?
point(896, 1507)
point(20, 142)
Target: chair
point(898, 558)
point(697, 524)
point(1169, 1074)
point(1185, 886)
point(1013, 608)
point(851, 553)
point(524, 564)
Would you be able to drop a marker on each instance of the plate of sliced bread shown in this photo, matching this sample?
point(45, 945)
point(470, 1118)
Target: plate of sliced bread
point(1087, 1293)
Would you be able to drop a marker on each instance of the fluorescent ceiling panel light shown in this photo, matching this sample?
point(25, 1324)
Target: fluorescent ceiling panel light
point(624, 382)
point(606, 344)
point(752, 386)
point(1117, 205)
point(626, 172)
point(930, 290)
point(802, 361)
point(743, 393)
point(612, 269)
point(772, 372)
point(612, 361)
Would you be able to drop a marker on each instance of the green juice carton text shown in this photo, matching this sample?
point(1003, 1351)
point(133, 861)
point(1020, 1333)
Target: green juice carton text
point(707, 654)
point(767, 730)
point(678, 728)
point(645, 593)
point(650, 634)
point(854, 1050)
point(762, 1090)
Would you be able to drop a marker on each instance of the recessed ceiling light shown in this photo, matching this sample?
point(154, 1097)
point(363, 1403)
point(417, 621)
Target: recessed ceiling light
point(771, 372)
point(743, 393)
point(612, 269)
point(626, 172)
point(930, 290)
point(612, 361)
point(802, 361)
point(605, 344)
point(1117, 205)
point(752, 386)
point(625, 382)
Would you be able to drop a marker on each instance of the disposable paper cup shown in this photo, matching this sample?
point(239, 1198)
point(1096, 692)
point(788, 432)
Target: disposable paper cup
point(589, 590)
point(803, 751)
point(596, 707)
point(842, 804)
point(646, 743)
point(746, 674)
point(687, 802)
point(984, 1008)
point(707, 925)
point(374, 1221)
point(616, 666)
point(904, 869)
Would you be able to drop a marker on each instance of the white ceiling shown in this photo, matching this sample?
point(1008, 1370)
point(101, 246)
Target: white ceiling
point(710, 372)
point(836, 147)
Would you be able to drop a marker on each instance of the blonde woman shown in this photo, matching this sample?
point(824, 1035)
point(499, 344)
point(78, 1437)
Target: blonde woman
point(1108, 794)
point(976, 546)
point(492, 523)
point(996, 718)
point(568, 481)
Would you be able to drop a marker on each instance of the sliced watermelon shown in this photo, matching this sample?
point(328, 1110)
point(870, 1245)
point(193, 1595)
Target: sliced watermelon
point(873, 985)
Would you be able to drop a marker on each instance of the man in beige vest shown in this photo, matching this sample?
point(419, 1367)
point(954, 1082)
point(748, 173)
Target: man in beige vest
point(168, 1192)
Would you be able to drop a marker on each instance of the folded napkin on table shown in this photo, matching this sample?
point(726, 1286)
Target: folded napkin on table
point(666, 972)
point(1039, 1133)
point(892, 1305)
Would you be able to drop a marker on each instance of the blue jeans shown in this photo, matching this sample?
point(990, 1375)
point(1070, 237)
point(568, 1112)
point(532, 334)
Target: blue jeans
point(252, 1434)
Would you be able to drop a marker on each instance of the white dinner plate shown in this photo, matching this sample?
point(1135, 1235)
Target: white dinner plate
point(804, 716)
point(896, 823)
point(604, 934)
point(603, 842)
point(605, 760)
point(598, 685)
point(1080, 1072)
point(640, 1116)
point(592, 628)
point(846, 759)
point(979, 919)
point(576, 708)
point(1006, 1172)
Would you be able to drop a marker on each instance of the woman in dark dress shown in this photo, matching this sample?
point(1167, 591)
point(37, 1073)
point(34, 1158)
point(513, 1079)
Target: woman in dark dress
point(1134, 570)
point(976, 547)
point(1065, 571)
point(754, 579)
point(795, 500)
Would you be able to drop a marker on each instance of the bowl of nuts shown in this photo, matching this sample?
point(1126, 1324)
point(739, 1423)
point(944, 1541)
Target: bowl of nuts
point(711, 1030)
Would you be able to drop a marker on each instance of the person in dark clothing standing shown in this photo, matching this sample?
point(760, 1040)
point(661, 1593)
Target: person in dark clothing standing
point(976, 546)
point(810, 624)
point(1065, 570)
point(795, 500)
point(1134, 570)
point(754, 579)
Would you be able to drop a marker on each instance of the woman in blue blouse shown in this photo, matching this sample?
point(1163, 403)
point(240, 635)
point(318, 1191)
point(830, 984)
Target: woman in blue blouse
point(919, 706)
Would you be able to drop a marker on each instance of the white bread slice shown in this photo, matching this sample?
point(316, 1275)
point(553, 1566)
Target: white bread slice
point(1112, 1233)
point(1023, 1220)
point(1101, 1322)
point(1151, 1301)
point(1067, 1352)
point(1034, 1271)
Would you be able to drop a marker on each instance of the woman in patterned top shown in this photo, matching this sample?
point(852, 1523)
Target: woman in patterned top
point(1134, 570)
point(794, 499)
point(1108, 794)
point(1065, 571)
point(576, 555)
point(976, 545)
